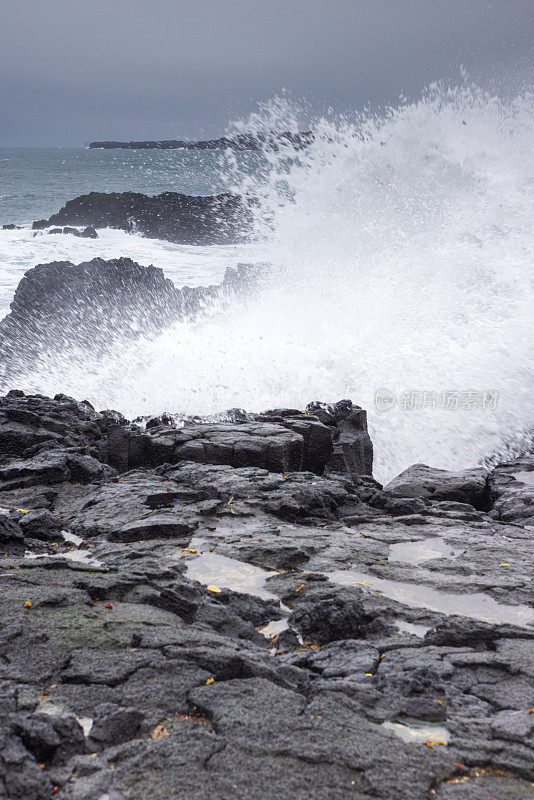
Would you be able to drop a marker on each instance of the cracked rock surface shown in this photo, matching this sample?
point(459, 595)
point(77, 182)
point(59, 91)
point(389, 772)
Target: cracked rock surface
point(236, 609)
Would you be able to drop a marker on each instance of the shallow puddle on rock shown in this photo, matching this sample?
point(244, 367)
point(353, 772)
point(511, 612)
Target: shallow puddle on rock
point(413, 627)
point(82, 557)
point(418, 733)
point(78, 556)
point(417, 552)
point(475, 605)
point(525, 477)
point(274, 627)
point(86, 724)
point(72, 538)
point(228, 573)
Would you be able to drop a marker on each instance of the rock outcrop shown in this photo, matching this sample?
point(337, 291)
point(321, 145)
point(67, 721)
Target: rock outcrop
point(427, 483)
point(228, 609)
point(244, 141)
point(85, 233)
point(218, 219)
point(62, 308)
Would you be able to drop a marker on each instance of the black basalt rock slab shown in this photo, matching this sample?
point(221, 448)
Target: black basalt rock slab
point(223, 629)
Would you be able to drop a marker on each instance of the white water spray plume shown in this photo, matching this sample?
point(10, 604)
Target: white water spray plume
point(401, 255)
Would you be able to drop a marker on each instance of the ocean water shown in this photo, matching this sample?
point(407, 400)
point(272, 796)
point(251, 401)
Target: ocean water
point(401, 247)
point(37, 182)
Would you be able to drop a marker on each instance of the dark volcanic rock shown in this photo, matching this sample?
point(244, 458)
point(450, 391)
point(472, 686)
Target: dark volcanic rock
point(428, 483)
point(43, 437)
point(29, 422)
point(60, 308)
point(113, 724)
point(291, 497)
point(86, 233)
point(218, 219)
point(11, 537)
point(331, 615)
point(244, 141)
point(511, 488)
point(353, 450)
point(228, 625)
point(41, 524)
point(11, 227)
point(336, 440)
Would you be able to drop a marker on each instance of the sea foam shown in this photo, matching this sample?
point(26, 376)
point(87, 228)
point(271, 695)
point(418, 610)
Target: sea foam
point(401, 251)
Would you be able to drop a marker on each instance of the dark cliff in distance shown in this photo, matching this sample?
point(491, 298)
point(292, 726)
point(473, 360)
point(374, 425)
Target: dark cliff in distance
point(244, 141)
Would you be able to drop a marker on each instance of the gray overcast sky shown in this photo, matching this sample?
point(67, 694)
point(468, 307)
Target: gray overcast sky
point(76, 70)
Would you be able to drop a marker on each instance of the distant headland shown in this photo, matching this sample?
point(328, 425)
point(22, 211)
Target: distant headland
point(243, 141)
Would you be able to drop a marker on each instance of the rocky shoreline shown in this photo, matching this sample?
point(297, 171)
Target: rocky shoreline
point(235, 608)
point(180, 218)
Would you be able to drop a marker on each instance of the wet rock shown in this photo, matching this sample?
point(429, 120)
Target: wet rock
point(229, 613)
point(157, 526)
point(87, 233)
point(287, 640)
point(11, 227)
point(41, 524)
point(353, 450)
point(219, 219)
point(60, 309)
point(344, 658)
point(326, 731)
point(121, 510)
point(270, 447)
point(331, 615)
point(51, 468)
point(472, 632)
point(400, 506)
point(514, 693)
point(50, 737)
point(292, 497)
point(511, 488)
point(29, 422)
point(279, 557)
point(11, 537)
point(427, 483)
point(20, 776)
point(113, 724)
point(318, 438)
point(184, 691)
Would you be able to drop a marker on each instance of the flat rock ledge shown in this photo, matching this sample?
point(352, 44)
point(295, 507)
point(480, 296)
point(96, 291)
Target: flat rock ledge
point(235, 608)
